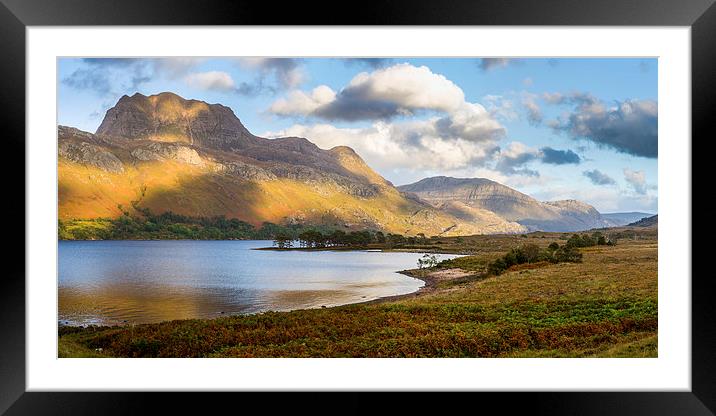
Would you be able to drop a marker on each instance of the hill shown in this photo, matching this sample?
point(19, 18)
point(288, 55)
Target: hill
point(624, 218)
point(652, 221)
point(512, 205)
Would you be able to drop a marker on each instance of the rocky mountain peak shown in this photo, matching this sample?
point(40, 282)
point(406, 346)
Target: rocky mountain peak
point(168, 117)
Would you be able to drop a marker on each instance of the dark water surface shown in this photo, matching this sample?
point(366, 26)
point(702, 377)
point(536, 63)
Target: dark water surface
point(124, 282)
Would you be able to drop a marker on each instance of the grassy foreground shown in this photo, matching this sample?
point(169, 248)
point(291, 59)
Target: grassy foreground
point(605, 306)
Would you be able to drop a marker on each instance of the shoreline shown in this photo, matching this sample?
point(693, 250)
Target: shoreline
point(427, 277)
point(412, 249)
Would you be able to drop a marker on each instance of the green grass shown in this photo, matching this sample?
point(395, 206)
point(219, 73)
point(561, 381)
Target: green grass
point(605, 306)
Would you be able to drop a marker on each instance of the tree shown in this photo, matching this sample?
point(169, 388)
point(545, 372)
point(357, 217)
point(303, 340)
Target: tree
point(283, 240)
point(337, 238)
point(380, 237)
point(394, 239)
point(428, 260)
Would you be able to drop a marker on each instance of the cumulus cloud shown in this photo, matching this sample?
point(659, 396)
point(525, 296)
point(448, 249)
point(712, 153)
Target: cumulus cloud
point(636, 179)
point(558, 157)
point(629, 126)
point(414, 145)
point(599, 178)
point(386, 93)
point(512, 159)
point(468, 122)
point(211, 81)
point(299, 102)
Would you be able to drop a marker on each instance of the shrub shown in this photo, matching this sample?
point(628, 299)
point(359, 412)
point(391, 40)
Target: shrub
point(568, 254)
point(531, 253)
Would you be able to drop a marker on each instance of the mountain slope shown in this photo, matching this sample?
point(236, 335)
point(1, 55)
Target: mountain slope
point(165, 153)
point(624, 218)
point(652, 221)
point(480, 193)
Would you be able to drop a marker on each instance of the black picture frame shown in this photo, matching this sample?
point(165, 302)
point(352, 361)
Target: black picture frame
point(16, 15)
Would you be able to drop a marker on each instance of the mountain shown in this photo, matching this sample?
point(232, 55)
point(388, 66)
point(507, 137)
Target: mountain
point(166, 153)
point(484, 194)
point(652, 221)
point(624, 218)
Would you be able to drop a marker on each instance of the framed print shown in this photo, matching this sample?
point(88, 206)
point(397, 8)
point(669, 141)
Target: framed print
point(485, 198)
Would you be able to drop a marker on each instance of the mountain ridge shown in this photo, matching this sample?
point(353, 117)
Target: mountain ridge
point(564, 215)
point(166, 153)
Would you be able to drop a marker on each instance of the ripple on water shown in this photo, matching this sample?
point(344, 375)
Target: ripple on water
point(124, 282)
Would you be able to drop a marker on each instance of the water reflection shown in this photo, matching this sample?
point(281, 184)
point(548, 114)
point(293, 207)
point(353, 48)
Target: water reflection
point(122, 282)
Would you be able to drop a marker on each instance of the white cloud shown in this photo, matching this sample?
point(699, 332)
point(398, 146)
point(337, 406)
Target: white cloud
point(409, 86)
point(411, 145)
point(463, 135)
point(630, 126)
point(382, 94)
point(636, 179)
point(299, 102)
point(512, 159)
point(212, 80)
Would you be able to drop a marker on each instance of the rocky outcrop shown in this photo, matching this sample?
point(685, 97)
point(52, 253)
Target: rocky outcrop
point(167, 151)
point(90, 154)
point(244, 171)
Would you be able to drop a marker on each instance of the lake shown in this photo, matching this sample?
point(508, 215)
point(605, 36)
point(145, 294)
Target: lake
point(125, 282)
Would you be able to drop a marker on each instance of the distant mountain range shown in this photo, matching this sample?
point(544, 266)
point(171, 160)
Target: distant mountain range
point(478, 193)
point(166, 153)
point(646, 222)
point(622, 218)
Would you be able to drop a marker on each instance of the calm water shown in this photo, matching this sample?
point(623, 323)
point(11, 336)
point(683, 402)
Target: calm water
point(123, 282)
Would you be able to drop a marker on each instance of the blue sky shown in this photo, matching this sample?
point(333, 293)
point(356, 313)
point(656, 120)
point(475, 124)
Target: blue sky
point(577, 128)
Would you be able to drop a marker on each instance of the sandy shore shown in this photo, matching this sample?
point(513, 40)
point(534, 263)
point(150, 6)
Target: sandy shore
point(431, 278)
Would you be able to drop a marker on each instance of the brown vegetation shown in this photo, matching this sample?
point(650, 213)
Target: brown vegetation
point(605, 306)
